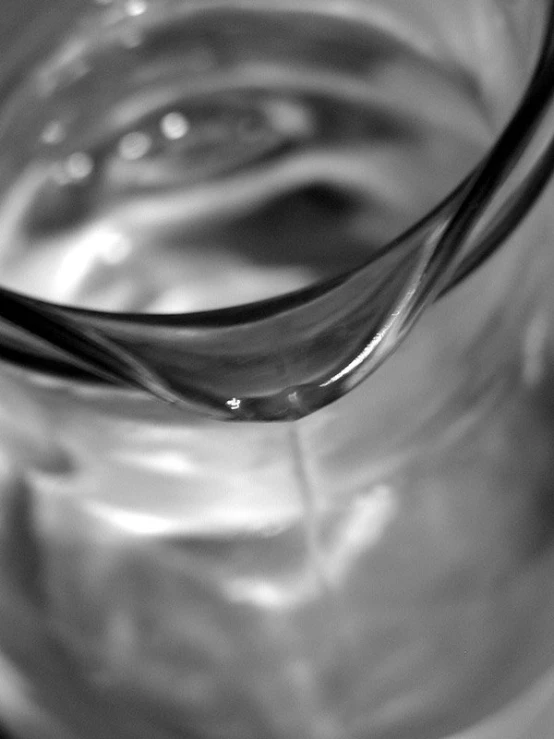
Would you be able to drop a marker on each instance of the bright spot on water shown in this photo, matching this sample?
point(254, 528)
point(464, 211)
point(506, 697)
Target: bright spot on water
point(174, 126)
point(143, 524)
point(288, 117)
point(99, 244)
point(168, 463)
point(134, 145)
point(54, 133)
point(367, 523)
point(234, 404)
point(136, 7)
point(79, 166)
point(262, 594)
point(114, 248)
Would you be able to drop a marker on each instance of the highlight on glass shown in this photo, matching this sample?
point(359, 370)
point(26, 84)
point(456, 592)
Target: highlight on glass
point(276, 341)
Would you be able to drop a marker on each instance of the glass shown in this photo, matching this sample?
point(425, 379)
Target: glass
point(329, 223)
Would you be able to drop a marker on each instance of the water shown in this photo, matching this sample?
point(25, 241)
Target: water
point(227, 157)
point(178, 577)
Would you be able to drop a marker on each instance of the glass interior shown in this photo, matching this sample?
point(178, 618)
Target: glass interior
point(379, 568)
point(282, 147)
point(286, 148)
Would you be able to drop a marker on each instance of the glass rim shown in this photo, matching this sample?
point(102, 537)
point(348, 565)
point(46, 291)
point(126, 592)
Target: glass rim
point(101, 345)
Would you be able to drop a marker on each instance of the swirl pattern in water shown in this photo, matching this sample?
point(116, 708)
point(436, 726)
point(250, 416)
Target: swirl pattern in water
point(176, 164)
point(380, 569)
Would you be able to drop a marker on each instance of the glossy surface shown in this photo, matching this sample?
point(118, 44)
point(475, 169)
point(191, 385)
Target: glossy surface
point(281, 358)
point(381, 569)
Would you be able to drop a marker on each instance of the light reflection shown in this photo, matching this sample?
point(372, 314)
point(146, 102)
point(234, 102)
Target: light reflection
point(234, 404)
point(139, 524)
point(174, 126)
point(134, 145)
point(273, 596)
point(101, 243)
point(166, 462)
point(79, 166)
point(136, 7)
point(54, 133)
point(364, 526)
point(289, 117)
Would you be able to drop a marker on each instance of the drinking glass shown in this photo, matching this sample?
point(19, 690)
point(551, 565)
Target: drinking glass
point(276, 382)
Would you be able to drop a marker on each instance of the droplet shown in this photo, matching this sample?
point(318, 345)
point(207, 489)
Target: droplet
point(134, 145)
point(54, 133)
point(234, 404)
point(136, 7)
point(289, 117)
point(174, 126)
point(79, 166)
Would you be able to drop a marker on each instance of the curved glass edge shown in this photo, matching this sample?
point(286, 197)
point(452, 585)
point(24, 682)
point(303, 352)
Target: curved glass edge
point(287, 357)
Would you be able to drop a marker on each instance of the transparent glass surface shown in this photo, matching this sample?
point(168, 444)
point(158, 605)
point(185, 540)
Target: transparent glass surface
point(329, 223)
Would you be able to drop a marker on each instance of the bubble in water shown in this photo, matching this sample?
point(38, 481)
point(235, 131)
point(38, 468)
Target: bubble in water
point(289, 117)
point(79, 166)
point(54, 133)
point(174, 126)
point(297, 155)
point(134, 145)
point(136, 7)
